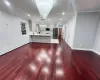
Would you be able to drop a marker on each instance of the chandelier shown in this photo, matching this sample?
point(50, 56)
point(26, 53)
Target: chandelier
point(44, 7)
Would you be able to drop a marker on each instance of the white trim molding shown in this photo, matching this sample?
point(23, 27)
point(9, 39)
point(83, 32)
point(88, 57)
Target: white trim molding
point(95, 51)
point(84, 49)
point(8, 49)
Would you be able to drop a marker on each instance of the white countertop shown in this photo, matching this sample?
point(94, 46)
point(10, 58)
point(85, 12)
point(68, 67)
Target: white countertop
point(37, 34)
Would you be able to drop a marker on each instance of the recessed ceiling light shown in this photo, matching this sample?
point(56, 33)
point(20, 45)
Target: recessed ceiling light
point(20, 20)
point(63, 13)
point(28, 15)
point(7, 3)
point(60, 19)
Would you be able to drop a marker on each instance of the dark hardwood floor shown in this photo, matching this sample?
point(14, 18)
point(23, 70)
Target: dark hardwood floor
point(37, 61)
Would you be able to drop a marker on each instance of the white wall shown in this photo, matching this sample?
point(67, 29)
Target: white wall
point(63, 32)
point(69, 28)
point(97, 40)
point(33, 26)
point(10, 33)
point(69, 31)
point(86, 28)
point(50, 25)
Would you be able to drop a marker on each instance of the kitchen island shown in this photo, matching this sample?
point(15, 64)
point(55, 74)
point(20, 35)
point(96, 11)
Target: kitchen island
point(42, 38)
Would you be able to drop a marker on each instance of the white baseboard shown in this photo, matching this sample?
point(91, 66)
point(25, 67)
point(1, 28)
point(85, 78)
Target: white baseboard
point(95, 51)
point(6, 50)
point(84, 49)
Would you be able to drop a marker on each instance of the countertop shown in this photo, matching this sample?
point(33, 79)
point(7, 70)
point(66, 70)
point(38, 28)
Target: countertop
point(37, 34)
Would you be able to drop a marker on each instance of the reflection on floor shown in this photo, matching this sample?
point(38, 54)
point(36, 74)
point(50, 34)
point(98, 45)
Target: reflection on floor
point(37, 61)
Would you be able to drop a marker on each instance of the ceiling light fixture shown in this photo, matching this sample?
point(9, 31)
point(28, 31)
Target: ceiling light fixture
point(28, 15)
point(60, 19)
point(7, 3)
point(63, 13)
point(44, 7)
point(48, 19)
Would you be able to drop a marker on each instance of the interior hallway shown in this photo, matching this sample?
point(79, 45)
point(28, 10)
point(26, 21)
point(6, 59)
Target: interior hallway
point(37, 61)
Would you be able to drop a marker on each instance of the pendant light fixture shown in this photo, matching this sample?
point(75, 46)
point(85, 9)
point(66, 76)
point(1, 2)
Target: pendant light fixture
point(44, 7)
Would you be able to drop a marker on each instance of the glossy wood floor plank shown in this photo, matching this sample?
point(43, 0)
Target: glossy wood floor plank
point(37, 61)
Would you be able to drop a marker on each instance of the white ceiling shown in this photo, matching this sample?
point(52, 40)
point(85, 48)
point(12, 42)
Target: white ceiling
point(23, 7)
point(88, 5)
